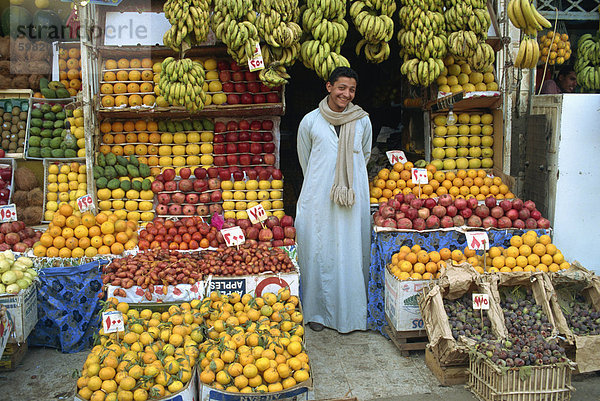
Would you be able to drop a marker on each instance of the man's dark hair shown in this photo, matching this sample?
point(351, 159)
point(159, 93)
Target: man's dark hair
point(565, 70)
point(342, 72)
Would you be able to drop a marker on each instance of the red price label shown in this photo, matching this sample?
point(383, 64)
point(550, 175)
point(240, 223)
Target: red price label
point(396, 156)
point(478, 241)
point(8, 213)
point(257, 214)
point(256, 62)
point(233, 236)
point(419, 176)
point(85, 203)
point(481, 301)
point(112, 321)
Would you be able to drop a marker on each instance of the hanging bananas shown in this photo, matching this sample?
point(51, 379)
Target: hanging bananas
point(181, 83)
point(457, 17)
point(274, 75)
point(422, 72)
point(587, 65)
point(326, 29)
point(524, 16)
point(462, 44)
point(233, 22)
point(482, 58)
point(373, 20)
point(528, 54)
point(189, 22)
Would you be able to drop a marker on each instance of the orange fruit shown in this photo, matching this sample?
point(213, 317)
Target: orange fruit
point(94, 231)
point(103, 250)
point(107, 227)
point(123, 63)
point(59, 242)
point(81, 231)
point(105, 127)
point(96, 242)
point(121, 100)
point(72, 243)
point(67, 232)
point(133, 87)
point(116, 248)
point(135, 100)
point(108, 101)
point(46, 240)
point(59, 220)
point(65, 209)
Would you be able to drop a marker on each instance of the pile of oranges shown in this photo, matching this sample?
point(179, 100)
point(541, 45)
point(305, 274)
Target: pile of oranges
point(555, 48)
point(128, 82)
point(153, 358)
point(528, 252)
point(75, 234)
point(69, 65)
point(460, 184)
point(417, 264)
point(255, 345)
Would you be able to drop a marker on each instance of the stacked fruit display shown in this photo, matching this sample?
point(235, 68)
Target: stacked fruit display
point(75, 234)
point(242, 86)
point(529, 252)
point(239, 195)
point(458, 76)
point(13, 120)
point(48, 134)
point(275, 232)
point(17, 237)
point(127, 82)
point(123, 186)
point(16, 275)
point(460, 184)
point(587, 65)
point(69, 66)
point(76, 129)
point(555, 48)
point(465, 144)
point(160, 144)
point(327, 30)
point(244, 143)
point(185, 233)
point(409, 212)
point(147, 360)
point(417, 264)
point(423, 42)
point(65, 183)
point(268, 356)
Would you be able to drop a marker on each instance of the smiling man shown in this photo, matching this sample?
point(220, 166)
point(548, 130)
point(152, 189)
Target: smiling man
point(332, 216)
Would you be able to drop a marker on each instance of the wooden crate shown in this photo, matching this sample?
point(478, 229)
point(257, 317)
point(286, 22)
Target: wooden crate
point(490, 383)
point(12, 356)
point(447, 375)
point(406, 341)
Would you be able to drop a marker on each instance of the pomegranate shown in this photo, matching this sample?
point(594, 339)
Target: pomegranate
point(445, 200)
point(543, 223)
point(474, 221)
point(512, 214)
point(518, 223)
point(404, 224)
point(429, 203)
point(529, 204)
point(419, 224)
point(439, 211)
point(466, 213)
point(530, 223)
point(446, 222)
point(490, 201)
point(433, 222)
point(517, 204)
point(497, 212)
point(535, 214)
point(451, 211)
point(489, 221)
point(460, 203)
point(389, 223)
point(482, 211)
point(423, 213)
point(504, 222)
point(458, 221)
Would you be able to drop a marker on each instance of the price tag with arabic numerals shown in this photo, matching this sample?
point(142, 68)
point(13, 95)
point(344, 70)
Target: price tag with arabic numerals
point(396, 156)
point(85, 203)
point(256, 63)
point(8, 213)
point(419, 176)
point(112, 321)
point(478, 240)
point(257, 214)
point(481, 301)
point(233, 236)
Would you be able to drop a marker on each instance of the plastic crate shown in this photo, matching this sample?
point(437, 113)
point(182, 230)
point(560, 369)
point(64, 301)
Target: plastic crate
point(488, 382)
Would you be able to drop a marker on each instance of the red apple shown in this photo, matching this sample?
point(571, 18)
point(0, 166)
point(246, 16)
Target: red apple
point(200, 172)
point(240, 87)
point(234, 66)
point(238, 176)
point(212, 172)
point(245, 160)
point(269, 158)
point(232, 159)
point(265, 88)
point(256, 148)
point(272, 98)
point(247, 98)
point(219, 149)
point(244, 125)
point(228, 87)
point(250, 76)
point(232, 98)
point(232, 125)
point(224, 76)
point(169, 174)
point(251, 173)
point(219, 138)
point(269, 147)
point(257, 159)
point(267, 125)
point(277, 175)
point(224, 175)
point(231, 148)
point(259, 98)
point(253, 87)
point(223, 65)
point(237, 76)
point(220, 160)
point(244, 136)
point(267, 137)
point(185, 172)
point(256, 137)
point(255, 125)
point(243, 147)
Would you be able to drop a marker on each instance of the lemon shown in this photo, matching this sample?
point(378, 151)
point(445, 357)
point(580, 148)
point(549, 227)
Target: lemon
point(251, 195)
point(242, 214)
point(53, 187)
point(227, 195)
point(277, 184)
point(252, 185)
point(195, 160)
point(206, 148)
point(52, 206)
point(228, 205)
point(263, 195)
point(103, 194)
point(239, 195)
point(133, 216)
point(118, 193)
point(230, 214)
point(252, 204)
point(121, 214)
point(210, 64)
point(193, 137)
point(205, 87)
point(52, 178)
point(63, 187)
point(81, 143)
point(48, 215)
point(118, 204)
point(487, 130)
point(211, 75)
point(279, 195)
point(79, 193)
point(226, 185)
point(193, 149)
point(178, 150)
point(179, 161)
point(277, 204)
point(132, 194)
point(241, 205)
point(266, 205)
point(65, 169)
point(219, 98)
point(104, 205)
point(205, 136)
point(145, 206)
point(215, 86)
point(147, 216)
point(131, 205)
point(165, 161)
point(179, 138)
point(208, 99)
point(146, 195)
point(81, 152)
point(264, 184)
point(480, 87)
point(279, 214)
point(166, 138)
point(52, 196)
point(463, 79)
point(487, 119)
point(53, 169)
point(452, 80)
point(73, 185)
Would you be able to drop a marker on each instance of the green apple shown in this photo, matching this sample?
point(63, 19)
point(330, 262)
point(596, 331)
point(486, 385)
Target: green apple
point(438, 153)
point(474, 163)
point(474, 141)
point(449, 164)
point(487, 152)
point(462, 152)
point(487, 163)
point(462, 163)
point(487, 141)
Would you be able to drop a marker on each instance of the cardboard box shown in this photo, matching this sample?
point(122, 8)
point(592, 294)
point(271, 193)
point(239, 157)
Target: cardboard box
point(23, 309)
point(401, 306)
point(6, 328)
point(12, 356)
point(298, 392)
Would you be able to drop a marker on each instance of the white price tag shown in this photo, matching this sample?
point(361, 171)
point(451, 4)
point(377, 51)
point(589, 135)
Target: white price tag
point(419, 176)
point(233, 236)
point(112, 321)
point(257, 214)
point(256, 63)
point(85, 203)
point(8, 213)
point(481, 301)
point(478, 241)
point(396, 156)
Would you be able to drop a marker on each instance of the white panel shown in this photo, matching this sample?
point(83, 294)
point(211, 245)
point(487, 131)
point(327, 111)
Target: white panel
point(577, 219)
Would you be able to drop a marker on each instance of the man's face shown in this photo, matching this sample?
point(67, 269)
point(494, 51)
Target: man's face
point(341, 93)
point(568, 82)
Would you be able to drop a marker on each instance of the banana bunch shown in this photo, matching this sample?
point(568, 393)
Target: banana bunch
point(524, 16)
point(319, 57)
point(457, 17)
point(587, 65)
point(422, 72)
point(528, 54)
point(426, 5)
point(181, 83)
point(372, 19)
point(462, 44)
point(479, 22)
point(482, 58)
point(323, 22)
point(472, 3)
point(424, 47)
point(189, 21)
point(233, 24)
point(285, 55)
point(274, 75)
point(422, 22)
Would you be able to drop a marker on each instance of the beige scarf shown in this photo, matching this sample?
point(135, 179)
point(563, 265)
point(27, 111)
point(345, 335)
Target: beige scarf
point(341, 191)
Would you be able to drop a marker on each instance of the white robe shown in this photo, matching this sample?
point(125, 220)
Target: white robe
point(333, 241)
